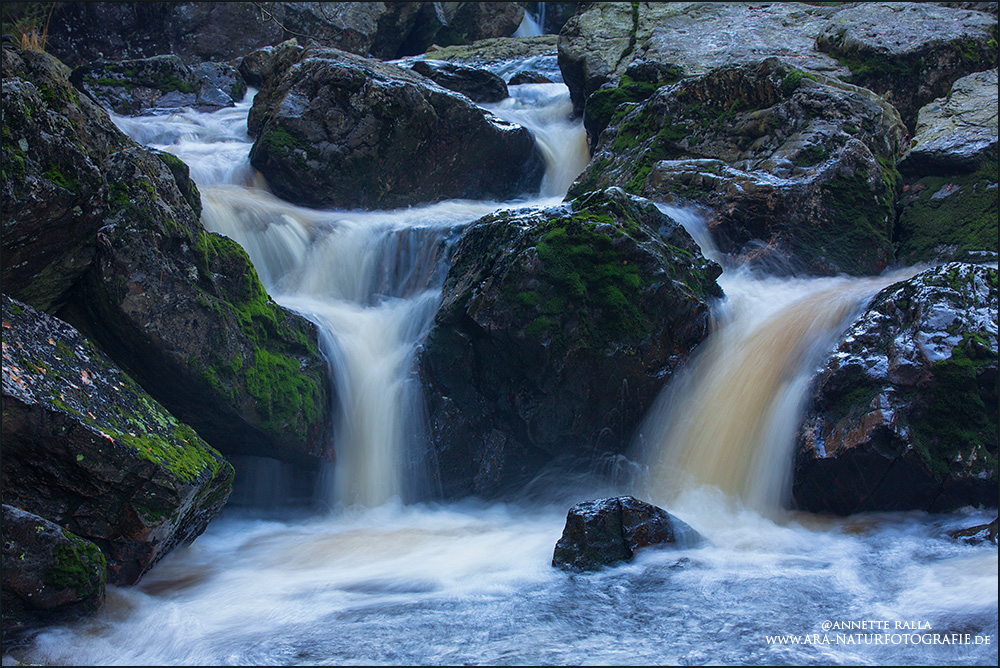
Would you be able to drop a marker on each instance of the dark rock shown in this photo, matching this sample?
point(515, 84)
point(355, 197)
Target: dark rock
point(602, 39)
point(469, 22)
point(477, 85)
point(911, 52)
point(87, 448)
point(904, 414)
point(524, 77)
point(364, 28)
point(107, 234)
point(797, 169)
point(606, 532)
point(977, 534)
point(338, 130)
point(268, 63)
point(556, 331)
point(132, 87)
point(50, 575)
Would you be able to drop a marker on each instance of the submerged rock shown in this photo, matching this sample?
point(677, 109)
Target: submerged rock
point(132, 87)
point(606, 532)
point(107, 235)
point(904, 412)
point(797, 169)
point(87, 448)
point(556, 331)
point(50, 575)
point(911, 52)
point(338, 130)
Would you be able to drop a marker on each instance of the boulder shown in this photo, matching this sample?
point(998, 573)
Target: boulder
point(556, 331)
point(505, 56)
point(133, 87)
point(602, 40)
point(87, 448)
point(339, 130)
point(107, 234)
point(606, 532)
point(476, 84)
point(904, 412)
point(911, 52)
point(797, 170)
point(50, 575)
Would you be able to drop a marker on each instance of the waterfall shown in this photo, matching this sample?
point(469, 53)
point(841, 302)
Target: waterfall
point(532, 24)
point(370, 280)
point(730, 417)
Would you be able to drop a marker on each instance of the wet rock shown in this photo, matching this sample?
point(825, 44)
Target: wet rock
point(88, 449)
point(338, 130)
point(957, 133)
point(476, 84)
point(524, 77)
point(107, 234)
point(600, 42)
point(132, 87)
point(270, 62)
point(796, 169)
point(910, 52)
point(977, 534)
point(904, 412)
point(536, 55)
point(556, 331)
point(50, 575)
point(365, 28)
point(606, 532)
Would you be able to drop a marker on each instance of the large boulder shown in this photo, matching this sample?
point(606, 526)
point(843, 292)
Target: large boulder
point(904, 413)
point(50, 575)
point(556, 331)
point(606, 532)
point(600, 42)
point(911, 52)
point(160, 82)
point(949, 206)
point(88, 449)
point(339, 130)
point(796, 169)
point(107, 234)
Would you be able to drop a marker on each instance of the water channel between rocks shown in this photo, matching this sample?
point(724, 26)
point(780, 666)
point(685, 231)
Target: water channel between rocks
point(375, 579)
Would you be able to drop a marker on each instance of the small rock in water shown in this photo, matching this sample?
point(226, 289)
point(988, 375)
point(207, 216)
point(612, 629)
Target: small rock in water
point(607, 531)
point(977, 534)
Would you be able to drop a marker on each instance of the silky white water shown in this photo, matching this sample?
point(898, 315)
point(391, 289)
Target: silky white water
point(376, 580)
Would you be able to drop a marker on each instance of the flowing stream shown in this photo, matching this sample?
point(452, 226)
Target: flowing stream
point(382, 577)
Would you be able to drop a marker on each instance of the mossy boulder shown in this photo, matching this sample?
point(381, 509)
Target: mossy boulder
point(160, 83)
point(908, 51)
point(607, 532)
point(556, 331)
point(85, 447)
point(797, 170)
point(603, 39)
point(50, 575)
point(107, 235)
point(339, 130)
point(904, 412)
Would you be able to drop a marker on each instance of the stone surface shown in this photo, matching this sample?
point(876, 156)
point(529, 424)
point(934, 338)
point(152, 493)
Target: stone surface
point(605, 532)
point(556, 331)
point(476, 84)
point(88, 449)
point(49, 575)
point(338, 130)
point(797, 170)
point(911, 52)
point(107, 234)
point(904, 412)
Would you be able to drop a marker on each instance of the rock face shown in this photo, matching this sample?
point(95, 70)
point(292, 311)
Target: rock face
point(606, 532)
point(556, 331)
point(49, 575)
point(911, 52)
point(601, 41)
point(343, 131)
point(949, 207)
point(107, 234)
point(476, 84)
point(161, 82)
point(88, 449)
point(798, 169)
point(904, 413)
